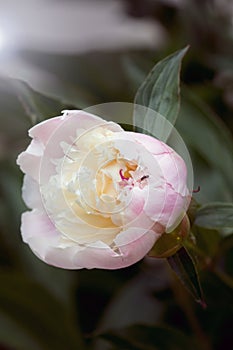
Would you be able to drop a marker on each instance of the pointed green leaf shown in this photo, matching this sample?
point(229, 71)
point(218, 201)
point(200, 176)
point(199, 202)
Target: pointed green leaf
point(183, 265)
point(160, 92)
point(35, 105)
point(216, 216)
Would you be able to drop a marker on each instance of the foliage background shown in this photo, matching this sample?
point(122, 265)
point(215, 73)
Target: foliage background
point(143, 306)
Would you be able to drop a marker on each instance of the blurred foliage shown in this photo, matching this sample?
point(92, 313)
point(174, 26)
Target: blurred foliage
point(143, 306)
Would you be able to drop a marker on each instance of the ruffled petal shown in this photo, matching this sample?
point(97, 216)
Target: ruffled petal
point(174, 171)
point(31, 193)
point(41, 235)
point(104, 257)
point(36, 223)
point(152, 145)
point(172, 165)
point(43, 239)
point(166, 206)
point(44, 130)
point(70, 122)
point(29, 160)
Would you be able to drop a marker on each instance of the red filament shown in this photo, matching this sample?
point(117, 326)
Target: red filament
point(122, 175)
point(197, 190)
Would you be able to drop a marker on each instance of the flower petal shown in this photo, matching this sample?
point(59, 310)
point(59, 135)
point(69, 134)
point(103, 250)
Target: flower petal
point(153, 145)
point(29, 161)
point(43, 239)
point(31, 193)
point(36, 223)
point(44, 130)
point(174, 171)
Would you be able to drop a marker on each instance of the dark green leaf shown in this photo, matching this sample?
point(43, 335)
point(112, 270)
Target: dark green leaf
point(207, 135)
point(183, 265)
point(141, 337)
point(160, 92)
point(21, 108)
point(216, 216)
point(35, 105)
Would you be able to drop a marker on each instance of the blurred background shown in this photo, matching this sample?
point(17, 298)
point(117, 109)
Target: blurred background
point(59, 54)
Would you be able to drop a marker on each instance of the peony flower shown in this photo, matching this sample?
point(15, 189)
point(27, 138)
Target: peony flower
point(100, 197)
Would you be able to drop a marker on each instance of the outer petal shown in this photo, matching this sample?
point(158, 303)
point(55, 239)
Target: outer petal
point(29, 161)
point(174, 171)
point(176, 210)
point(56, 130)
point(102, 256)
point(168, 208)
point(70, 121)
point(41, 235)
point(153, 145)
point(172, 165)
point(43, 238)
point(36, 223)
point(44, 130)
point(31, 193)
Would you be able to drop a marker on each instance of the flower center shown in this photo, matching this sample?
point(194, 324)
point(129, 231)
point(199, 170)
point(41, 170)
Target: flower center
point(108, 186)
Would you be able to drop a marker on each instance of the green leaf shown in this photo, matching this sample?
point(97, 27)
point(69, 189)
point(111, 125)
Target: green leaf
point(160, 92)
point(216, 216)
point(35, 315)
point(35, 105)
point(141, 337)
point(206, 135)
point(183, 265)
point(14, 122)
point(21, 108)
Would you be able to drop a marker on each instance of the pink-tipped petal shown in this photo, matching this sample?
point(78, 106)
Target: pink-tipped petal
point(103, 257)
point(36, 223)
point(152, 145)
point(43, 238)
point(44, 130)
point(174, 171)
point(69, 122)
